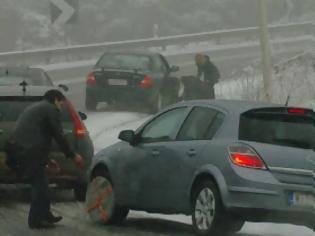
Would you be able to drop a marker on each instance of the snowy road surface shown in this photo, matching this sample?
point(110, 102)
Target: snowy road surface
point(104, 128)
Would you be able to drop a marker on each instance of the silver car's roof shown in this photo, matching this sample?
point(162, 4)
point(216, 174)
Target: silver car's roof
point(233, 110)
point(233, 106)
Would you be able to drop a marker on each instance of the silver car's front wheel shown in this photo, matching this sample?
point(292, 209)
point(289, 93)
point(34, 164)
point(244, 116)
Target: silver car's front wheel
point(207, 209)
point(100, 202)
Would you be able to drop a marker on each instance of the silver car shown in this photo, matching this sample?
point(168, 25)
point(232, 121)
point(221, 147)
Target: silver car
point(223, 162)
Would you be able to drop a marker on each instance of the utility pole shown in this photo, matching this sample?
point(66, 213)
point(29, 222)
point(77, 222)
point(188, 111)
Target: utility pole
point(265, 48)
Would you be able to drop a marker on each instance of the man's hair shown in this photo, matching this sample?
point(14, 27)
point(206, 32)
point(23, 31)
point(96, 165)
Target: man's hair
point(53, 94)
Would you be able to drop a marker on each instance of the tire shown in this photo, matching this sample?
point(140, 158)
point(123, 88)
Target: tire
point(90, 103)
point(157, 105)
point(100, 202)
point(80, 192)
point(207, 209)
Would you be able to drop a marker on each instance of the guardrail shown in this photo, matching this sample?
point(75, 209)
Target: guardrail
point(228, 58)
point(87, 52)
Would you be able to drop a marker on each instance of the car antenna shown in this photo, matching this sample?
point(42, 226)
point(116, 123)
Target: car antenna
point(24, 85)
point(287, 101)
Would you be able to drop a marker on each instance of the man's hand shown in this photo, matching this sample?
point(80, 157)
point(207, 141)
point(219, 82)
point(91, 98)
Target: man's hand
point(53, 167)
point(78, 160)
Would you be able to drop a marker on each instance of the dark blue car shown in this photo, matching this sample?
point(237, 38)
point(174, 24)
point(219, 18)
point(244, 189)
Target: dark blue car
point(144, 78)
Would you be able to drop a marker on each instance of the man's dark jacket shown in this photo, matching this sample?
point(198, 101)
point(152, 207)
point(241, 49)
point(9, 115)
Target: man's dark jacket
point(210, 71)
point(37, 126)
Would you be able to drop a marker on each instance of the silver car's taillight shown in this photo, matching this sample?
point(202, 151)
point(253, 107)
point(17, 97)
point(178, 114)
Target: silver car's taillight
point(245, 156)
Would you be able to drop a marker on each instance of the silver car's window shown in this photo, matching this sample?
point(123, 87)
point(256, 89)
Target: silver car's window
point(162, 128)
point(285, 130)
point(202, 123)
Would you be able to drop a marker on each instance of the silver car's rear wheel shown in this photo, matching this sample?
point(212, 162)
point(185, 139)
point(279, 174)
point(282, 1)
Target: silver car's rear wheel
point(207, 208)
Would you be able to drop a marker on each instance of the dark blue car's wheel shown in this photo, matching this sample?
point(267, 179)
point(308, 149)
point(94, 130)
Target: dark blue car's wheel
point(158, 104)
point(100, 202)
point(207, 210)
point(90, 103)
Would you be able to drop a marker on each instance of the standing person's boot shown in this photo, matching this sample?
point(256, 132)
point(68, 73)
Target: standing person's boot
point(40, 225)
point(53, 219)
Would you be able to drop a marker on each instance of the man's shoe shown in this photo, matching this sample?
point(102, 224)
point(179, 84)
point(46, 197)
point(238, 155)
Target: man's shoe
point(53, 219)
point(41, 225)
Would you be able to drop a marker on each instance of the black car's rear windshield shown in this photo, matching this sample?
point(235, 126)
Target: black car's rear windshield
point(125, 61)
point(293, 130)
point(12, 107)
point(34, 77)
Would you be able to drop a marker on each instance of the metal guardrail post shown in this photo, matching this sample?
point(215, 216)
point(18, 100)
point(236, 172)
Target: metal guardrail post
point(265, 49)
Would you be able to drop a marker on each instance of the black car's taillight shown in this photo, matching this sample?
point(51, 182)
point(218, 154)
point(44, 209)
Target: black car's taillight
point(91, 79)
point(245, 156)
point(79, 127)
point(147, 82)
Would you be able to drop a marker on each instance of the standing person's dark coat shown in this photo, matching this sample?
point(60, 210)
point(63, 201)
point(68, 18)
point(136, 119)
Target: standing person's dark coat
point(30, 144)
point(209, 72)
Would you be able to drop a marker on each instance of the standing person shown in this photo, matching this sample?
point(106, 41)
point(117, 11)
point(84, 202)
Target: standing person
point(31, 142)
point(208, 71)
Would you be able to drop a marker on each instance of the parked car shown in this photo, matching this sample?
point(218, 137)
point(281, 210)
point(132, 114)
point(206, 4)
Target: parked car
point(145, 78)
point(13, 100)
point(223, 162)
point(15, 75)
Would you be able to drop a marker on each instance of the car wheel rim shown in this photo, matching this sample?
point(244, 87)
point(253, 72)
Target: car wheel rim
point(99, 200)
point(204, 209)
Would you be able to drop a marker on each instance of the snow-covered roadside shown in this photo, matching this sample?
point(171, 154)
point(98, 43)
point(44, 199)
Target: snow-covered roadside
point(294, 77)
point(104, 127)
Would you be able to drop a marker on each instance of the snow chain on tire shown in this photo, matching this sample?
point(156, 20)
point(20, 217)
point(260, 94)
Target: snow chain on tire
point(100, 200)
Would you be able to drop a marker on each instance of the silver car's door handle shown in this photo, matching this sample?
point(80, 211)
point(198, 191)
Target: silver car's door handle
point(192, 152)
point(155, 153)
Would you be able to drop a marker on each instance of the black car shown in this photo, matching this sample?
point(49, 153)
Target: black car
point(13, 100)
point(144, 78)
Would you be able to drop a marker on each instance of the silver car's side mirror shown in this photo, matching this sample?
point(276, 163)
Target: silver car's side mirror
point(127, 136)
